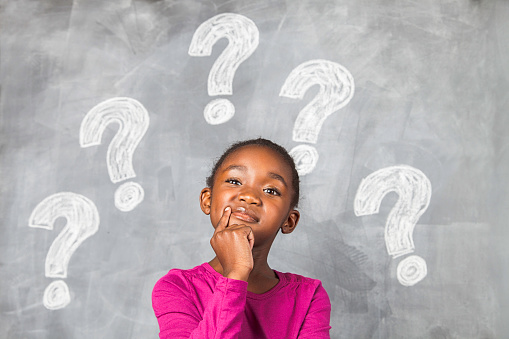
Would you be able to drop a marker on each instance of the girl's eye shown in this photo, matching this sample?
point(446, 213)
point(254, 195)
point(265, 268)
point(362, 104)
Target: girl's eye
point(272, 191)
point(233, 181)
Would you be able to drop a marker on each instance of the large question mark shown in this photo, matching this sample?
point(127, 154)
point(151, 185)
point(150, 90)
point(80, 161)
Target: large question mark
point(133, 121)
point(82, 222)
point(243, 36)
point(336, 90)
point(414, 194)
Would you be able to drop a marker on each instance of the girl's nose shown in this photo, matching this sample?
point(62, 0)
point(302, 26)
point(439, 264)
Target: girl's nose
point(249, 196)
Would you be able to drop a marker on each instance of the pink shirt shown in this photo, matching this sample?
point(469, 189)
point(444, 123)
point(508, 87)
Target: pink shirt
point(201, 303)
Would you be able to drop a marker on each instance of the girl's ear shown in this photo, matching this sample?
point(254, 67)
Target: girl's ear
point(291, 222)
point(205, 195)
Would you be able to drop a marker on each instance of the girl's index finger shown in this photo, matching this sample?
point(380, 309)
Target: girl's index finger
point(225, 218)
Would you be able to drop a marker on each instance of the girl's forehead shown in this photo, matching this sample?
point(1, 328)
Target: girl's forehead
point(257, 156)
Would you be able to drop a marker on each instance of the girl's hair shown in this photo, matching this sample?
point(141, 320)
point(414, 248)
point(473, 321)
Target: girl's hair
point(262, 143)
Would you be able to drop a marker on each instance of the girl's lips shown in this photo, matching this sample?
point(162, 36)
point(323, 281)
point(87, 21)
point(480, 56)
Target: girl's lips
point(245, 215)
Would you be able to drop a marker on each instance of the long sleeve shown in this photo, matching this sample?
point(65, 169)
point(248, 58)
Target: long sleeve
point(201, 303)
point(317, 321)
point(183, 310)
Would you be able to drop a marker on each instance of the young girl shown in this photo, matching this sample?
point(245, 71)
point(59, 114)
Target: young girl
point(251, 195)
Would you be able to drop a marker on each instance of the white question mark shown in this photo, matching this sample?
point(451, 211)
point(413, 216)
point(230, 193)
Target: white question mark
point(414, 191)
point(336, 90)
point(243, 37)
point(82, 222)
point(133, 121)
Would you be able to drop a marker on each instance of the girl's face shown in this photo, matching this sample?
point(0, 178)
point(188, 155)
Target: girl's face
point(256, 183)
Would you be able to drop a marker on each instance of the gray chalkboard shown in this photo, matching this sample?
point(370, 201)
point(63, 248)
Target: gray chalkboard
point(397, 111)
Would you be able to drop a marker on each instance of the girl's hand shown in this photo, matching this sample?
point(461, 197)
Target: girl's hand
point(233, 245)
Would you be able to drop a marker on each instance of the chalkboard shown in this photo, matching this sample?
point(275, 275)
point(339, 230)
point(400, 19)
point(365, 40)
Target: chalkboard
point(112, 113)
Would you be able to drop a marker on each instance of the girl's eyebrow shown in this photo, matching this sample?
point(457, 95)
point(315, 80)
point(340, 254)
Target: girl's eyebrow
point(270, 174)
point(278, 177)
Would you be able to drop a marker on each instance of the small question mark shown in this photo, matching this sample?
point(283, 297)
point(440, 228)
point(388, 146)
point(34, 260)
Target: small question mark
point(82, 222)
point(243, 36)
point(336, 90)
point(414, 191)
point(133, 120)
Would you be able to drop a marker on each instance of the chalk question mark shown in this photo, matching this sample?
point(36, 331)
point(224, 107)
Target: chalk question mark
point(414, 194)
point(336, 90)
point(133, 121)
point(243, 37)
point(82, 222)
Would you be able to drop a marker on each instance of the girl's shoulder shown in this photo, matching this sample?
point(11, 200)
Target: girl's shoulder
point(203, 270)
point(185, 277)
point(297, 278)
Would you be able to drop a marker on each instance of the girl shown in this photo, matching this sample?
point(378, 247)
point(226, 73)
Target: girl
point(250, 196)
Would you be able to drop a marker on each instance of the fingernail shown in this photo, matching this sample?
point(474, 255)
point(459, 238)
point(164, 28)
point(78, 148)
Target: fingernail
point(227, 209)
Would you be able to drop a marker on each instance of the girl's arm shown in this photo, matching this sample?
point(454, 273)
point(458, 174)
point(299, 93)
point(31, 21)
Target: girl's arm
point(175, 300)
point(317, 321)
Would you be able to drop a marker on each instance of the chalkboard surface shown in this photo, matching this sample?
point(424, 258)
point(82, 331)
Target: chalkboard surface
point(112, 113)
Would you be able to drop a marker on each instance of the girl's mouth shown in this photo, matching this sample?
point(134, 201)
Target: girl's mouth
point(245, 215)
